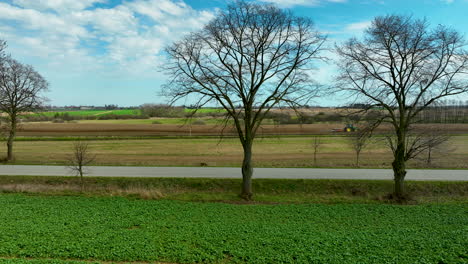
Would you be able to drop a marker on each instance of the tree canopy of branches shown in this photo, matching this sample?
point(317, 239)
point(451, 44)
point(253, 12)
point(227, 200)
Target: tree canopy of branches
point(20, 92)
point(250, 58)
point(402, 65)
point(2, 50)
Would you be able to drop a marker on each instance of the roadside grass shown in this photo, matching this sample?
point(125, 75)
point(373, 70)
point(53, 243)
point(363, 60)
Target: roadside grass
point(270, 151)
point(58, 229)
point(227, 190)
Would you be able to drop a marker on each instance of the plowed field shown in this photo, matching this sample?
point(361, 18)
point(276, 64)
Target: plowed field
point(109, 129)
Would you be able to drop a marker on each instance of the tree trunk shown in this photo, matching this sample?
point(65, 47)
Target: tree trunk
point(399, 169)
point(81, 178)
point(357, 158)
point(429, 158)
point(315, 157)
point(247, 172)
point(11, 138)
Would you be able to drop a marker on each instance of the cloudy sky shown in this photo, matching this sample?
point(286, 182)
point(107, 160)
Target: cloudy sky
point(96, 52)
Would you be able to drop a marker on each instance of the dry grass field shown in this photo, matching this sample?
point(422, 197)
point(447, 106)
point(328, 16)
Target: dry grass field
point(276, 146)
point(335, 151)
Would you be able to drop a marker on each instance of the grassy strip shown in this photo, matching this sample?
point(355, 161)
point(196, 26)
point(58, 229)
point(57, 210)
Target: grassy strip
point(266, 190)
point(117, 229)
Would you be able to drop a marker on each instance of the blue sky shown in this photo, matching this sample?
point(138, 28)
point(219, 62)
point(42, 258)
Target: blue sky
point(96, 52)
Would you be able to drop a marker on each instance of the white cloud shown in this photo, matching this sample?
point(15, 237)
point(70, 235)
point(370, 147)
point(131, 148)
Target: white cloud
point(359, 26)
point(74, 34)
point(57, 5)
point(35, 20)
point(116, 21)
point(290, 3)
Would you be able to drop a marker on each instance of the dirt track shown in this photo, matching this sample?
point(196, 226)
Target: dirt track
point(77, 129)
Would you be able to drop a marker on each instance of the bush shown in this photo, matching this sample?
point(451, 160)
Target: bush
point(198, 122)
point(160, 110)
point(280, 118)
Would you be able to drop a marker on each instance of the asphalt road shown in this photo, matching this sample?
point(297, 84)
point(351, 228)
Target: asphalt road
point(220, 172)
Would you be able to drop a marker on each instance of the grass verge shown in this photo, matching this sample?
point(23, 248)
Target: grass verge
point(226, 190)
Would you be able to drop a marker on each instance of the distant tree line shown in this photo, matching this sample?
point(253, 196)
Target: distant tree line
point(446, 112)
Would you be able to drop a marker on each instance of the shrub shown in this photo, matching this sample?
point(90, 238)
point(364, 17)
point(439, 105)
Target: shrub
point(198, 122)
point(160, 110)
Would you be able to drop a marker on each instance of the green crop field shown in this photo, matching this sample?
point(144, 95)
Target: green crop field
point(38, 228)
point(93, 112)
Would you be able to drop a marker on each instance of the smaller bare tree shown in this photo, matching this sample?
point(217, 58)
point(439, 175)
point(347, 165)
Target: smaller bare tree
point(435, 140)
point(316, 144)
point(418, 143)
point(359, 141)
point(80, 159)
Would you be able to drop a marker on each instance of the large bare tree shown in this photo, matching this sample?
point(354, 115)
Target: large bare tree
point(250, 58)
point(402, 66)
point(21, 88)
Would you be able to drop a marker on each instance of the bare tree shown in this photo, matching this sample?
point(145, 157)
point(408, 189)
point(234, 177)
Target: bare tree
point(80, 159)
point(250, 58)
point(2, 61)
point(360, 140)
point(316, 143)
point(419, 143)
point(403, 66)
point(434, 142)
point(429, 141)
point(2, 51)
point(20, 92)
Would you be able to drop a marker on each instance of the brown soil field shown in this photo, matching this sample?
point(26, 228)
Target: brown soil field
point(84, 129)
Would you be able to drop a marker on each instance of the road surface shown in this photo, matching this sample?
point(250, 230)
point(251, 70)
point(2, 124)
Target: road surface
point(221, 172)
